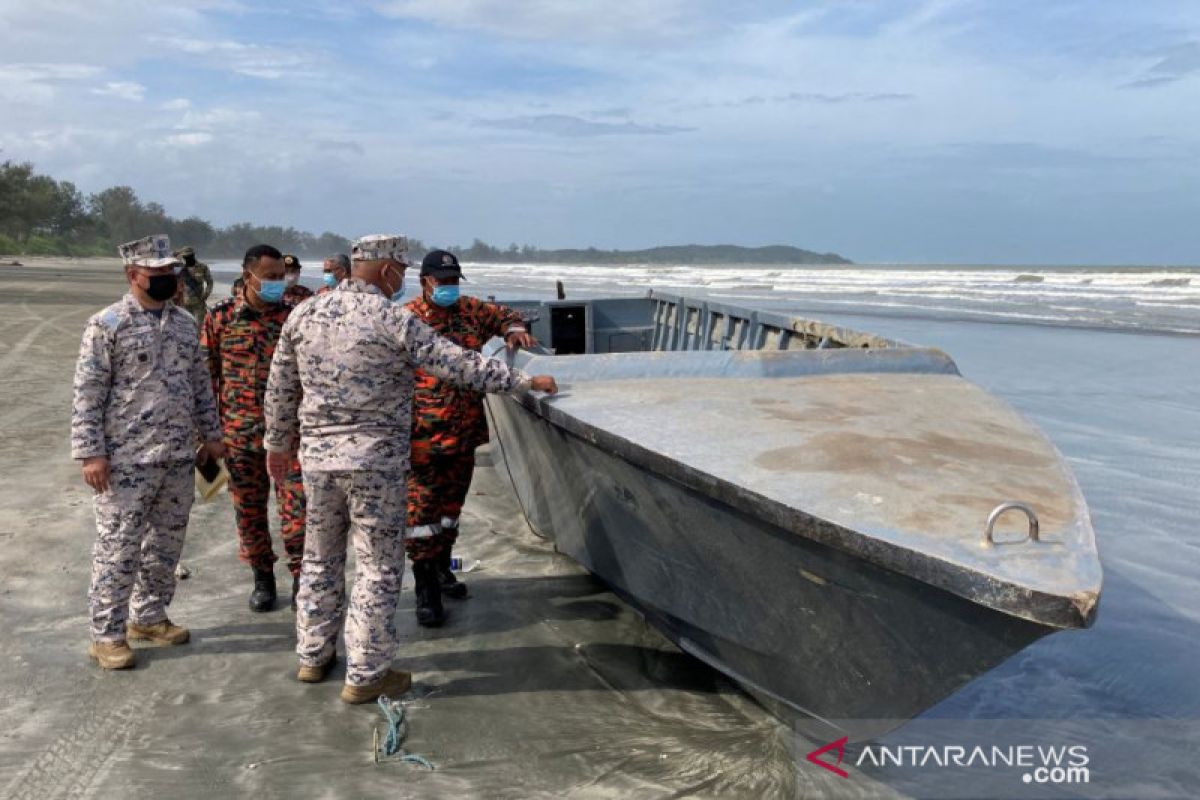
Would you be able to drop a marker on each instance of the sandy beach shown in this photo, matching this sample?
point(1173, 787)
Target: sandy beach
point(542, 684)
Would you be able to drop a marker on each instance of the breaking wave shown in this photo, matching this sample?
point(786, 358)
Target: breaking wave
point(1150, 299)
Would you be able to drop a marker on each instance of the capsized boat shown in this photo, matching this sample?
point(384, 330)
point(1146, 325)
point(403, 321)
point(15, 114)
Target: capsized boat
point(841, 523)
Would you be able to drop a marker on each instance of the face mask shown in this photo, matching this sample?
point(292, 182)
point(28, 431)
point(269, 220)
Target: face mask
point(444, 296)
point(290, 280)
point(162, 287)
point(330, 279)
point(398, 295)
point(271, 291)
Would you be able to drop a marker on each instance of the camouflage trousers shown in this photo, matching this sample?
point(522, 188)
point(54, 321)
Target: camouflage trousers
point(364, 508)
point(251, 488)
point(140, 524)
point(437, 489)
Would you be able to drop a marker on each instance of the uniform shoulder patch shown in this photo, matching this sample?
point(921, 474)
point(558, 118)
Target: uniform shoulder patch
point(110, 318)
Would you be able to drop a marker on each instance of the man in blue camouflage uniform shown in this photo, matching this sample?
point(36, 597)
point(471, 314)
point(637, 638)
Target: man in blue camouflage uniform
point(142, 405)
point(340, 390)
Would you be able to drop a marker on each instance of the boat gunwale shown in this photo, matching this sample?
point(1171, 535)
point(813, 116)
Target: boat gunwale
point(1055, 610)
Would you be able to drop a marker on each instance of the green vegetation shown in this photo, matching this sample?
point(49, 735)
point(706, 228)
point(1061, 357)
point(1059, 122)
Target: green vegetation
point(42, 216)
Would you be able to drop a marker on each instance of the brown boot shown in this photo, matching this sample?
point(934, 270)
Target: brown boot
point(112, 655)
point(393, 684)
point(307, 674)
point(165, 632)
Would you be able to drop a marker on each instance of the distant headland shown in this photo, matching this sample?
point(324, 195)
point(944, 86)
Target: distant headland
point(672, 254)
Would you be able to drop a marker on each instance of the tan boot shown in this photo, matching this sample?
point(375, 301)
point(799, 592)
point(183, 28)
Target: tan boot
point(112, 655)
point(165, 632)
point(393, 684)
point(307, 674)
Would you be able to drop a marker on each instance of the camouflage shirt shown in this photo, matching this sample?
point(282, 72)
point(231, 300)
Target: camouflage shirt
point(342, 379)
point(197, 282)
point(297, 293)
point(447, 418)
point(238, 343)
point(142, 394)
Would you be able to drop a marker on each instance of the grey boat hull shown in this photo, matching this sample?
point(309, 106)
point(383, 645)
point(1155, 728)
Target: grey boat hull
point(806, 508)
point(849, 648)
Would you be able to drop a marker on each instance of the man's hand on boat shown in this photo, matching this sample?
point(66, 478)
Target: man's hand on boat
point(543, 383)
point(518, 339)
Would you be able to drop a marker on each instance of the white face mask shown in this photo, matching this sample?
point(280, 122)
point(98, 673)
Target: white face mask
point(291, 280)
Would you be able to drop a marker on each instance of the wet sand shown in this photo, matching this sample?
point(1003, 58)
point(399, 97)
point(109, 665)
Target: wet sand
point(543, 684)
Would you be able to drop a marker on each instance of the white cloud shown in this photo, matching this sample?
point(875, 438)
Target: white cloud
point(255, 61)
point(189, 139)
point(576, 127)
point(38, 82)
point(218, 118)
point(177, 104)
point(105, 32)
point(553, 19)
point(124, 90)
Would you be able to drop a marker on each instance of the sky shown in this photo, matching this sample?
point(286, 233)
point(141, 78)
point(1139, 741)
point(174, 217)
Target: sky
point(959, 131)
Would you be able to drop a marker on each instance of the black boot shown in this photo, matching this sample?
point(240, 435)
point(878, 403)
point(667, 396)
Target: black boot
point(295, 590)
point(452, 587)
point(429, 594)
point(263, 596)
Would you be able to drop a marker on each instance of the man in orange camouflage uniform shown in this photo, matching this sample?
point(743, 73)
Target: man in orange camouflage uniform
point(238, 338)
point(448, 424)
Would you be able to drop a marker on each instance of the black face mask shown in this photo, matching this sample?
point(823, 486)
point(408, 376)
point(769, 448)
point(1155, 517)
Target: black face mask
point(162, 287)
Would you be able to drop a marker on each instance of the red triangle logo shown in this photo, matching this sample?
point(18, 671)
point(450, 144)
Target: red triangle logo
point(840, 747)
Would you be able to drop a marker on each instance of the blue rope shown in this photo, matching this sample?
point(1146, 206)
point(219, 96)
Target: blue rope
point(393, 712)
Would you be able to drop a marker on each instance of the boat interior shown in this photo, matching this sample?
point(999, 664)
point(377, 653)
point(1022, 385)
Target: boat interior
point(665, 322)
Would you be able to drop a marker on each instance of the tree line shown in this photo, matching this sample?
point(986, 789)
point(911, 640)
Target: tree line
point(42, 216)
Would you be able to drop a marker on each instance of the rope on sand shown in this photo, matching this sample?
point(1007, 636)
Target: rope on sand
point(393, 712)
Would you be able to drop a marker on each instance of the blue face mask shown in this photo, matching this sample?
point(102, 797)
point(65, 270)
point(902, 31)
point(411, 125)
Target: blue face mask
point(330, 279)
point(398, 295)
point(444, 296)
point(271, 291)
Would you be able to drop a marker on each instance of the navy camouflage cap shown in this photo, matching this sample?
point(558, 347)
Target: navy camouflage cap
point(149, 251)
point(379, 246)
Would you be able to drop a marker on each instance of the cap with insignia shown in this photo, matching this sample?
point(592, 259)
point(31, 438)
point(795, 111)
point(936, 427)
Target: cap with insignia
point(441, 264)
point(291, 262)
point(379, 245)
point(149, 251)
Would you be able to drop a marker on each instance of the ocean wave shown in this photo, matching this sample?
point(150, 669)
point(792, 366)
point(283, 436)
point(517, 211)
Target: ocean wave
point(1148, 299)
